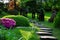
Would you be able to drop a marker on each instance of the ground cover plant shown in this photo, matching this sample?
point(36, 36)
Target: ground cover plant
point(19, 34)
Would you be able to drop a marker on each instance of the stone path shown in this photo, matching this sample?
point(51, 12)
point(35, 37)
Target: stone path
point(44, 33)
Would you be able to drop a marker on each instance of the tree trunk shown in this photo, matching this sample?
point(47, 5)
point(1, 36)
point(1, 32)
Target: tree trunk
point(54, 12)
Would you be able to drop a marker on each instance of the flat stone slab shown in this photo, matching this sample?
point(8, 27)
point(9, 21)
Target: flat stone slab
point(44, 33)
point(48, 38)
point(48, 29)
point(33, 21)
point(45, 28)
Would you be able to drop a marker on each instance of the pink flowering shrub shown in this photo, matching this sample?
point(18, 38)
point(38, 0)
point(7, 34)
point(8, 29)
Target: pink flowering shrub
point(7, 22)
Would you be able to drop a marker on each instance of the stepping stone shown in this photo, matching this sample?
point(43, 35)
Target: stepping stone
point(44, 33)
point(41, 26)
point(49, 29)
point(45, 28)
point(39, 23)
point(36, 24)
point(33, 21)
point(48, 38)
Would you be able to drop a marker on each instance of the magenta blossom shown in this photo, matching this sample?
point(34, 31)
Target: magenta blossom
point(8, 23)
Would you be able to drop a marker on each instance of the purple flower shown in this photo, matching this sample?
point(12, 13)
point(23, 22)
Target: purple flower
point(7, 22)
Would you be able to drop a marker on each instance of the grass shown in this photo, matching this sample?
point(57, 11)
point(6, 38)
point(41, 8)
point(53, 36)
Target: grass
point(46, 23)
point(30, 17)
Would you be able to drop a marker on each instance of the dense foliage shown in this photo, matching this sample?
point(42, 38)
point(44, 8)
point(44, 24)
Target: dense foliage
point(20, 20)
point(18, 34)
point(46, 4)
point(57, 21)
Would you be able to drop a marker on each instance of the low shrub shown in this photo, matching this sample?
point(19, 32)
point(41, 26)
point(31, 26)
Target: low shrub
point(57, 21)
point(20, 20)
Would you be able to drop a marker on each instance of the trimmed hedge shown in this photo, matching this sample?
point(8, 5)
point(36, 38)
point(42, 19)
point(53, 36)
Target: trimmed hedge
point(57, 21)
point(20, 20)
